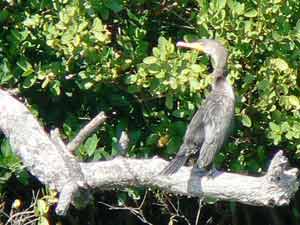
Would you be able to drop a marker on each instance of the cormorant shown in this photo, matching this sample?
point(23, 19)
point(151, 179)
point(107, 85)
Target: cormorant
point(210, 124)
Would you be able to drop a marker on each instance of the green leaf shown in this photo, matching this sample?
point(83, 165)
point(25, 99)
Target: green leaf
point(25, 66)
point(4, 14)
point(99, 154)
point(154, 68)
point(156, 52)
point(196, 68)
point(280, 64)
point(173, 83)
point(169, 102)
point(91, 144)
point(173, 145)
point(221, 4)
point(115, 148)
point(5, 72)
point(135, 136)
point(29, 81)
point(133, 193)
point(82, 26)
point(23, 177)
point(122, 198)
point(104, 12)
point(42, 207)
point(246, 121)
point(285, 126)
point(160, 75)
point(236, 7)
point(150, 60)
point(277, 36)
point(99, 31)
point(179, 113)
point(252, 13)
point(115, 5)
point(6, 149)
point(19, 36)
point(195, 84)
point(274, 127)
point(218, 4)
point(289, 135)
point(133, 89)
point(297, 27)
point(293, 100)
point(177, 129)
point(32, 21)
point(43, 221)
point(55, 88)
point(152, 139)
point(67, 37)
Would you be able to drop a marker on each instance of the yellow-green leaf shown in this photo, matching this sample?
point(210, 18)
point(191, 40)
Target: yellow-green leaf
point(42, 207)
point(150, 60)
point(173, 83)
point(251, 13)
point(280, 64)
point(246, 121)
point(43, 221)
point(169, 102)
point(196, 68)
point(195, 84)
point(294, 101)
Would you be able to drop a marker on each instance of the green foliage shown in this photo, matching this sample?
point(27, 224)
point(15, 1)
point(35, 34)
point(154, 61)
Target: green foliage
point(168, 72)
point(10, 165)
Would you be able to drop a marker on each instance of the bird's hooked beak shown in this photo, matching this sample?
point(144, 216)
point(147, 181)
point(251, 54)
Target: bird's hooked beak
point(192, 45)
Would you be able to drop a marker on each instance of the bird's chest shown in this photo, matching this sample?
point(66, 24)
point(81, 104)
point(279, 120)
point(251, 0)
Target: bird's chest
point(218, 117)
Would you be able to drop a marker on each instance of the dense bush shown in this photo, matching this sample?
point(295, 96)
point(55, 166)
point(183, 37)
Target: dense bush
point(73, 58)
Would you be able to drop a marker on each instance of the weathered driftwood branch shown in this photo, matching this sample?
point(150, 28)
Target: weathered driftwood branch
point(49, 160)
point(276, 187)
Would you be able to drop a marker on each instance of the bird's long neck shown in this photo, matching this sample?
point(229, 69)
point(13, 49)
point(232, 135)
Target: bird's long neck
point(221, 85)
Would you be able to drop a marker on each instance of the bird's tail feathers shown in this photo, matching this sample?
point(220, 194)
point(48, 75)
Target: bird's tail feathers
point(174, 165)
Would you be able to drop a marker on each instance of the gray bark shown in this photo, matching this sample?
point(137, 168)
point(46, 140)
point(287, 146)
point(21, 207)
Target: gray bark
point(50, 161)
point(46, 160)
point(276, 187)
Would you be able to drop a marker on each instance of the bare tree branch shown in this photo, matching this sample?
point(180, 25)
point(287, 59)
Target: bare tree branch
point(48, 162)
point(52, 164)
point(86, 131)
point(267, 190)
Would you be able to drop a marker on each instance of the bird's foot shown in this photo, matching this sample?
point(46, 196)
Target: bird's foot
point(201, 172)
point(211, 172)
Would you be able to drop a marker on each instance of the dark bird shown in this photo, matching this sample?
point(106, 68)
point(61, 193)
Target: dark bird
point(210, 124)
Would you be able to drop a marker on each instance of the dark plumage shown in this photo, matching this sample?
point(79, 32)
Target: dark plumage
point(210, 124)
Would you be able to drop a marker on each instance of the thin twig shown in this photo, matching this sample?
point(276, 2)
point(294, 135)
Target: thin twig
point(199, 210)
point(24, 217)
point(143, 201)
point(19, 214)
point(138, 212)
point(86, 131)
point(32, 221)
point(177, 213)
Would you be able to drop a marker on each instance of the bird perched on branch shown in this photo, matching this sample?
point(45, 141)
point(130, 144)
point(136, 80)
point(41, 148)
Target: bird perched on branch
point(210, 124)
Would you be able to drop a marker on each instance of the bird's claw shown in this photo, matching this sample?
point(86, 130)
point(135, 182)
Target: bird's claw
point(201, 172)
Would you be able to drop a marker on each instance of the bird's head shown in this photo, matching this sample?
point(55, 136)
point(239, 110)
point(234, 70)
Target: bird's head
point(212, 48)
